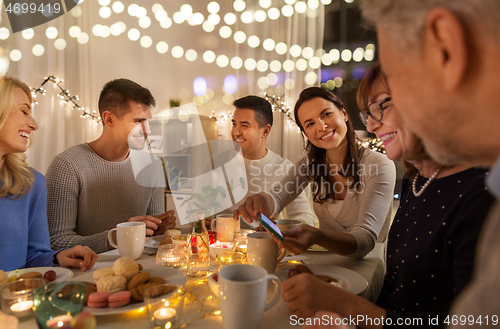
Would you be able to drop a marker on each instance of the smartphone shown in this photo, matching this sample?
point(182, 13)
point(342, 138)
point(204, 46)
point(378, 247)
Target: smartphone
point(270, 226)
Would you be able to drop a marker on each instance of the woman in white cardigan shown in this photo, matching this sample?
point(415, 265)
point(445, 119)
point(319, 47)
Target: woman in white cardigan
point(352, 186)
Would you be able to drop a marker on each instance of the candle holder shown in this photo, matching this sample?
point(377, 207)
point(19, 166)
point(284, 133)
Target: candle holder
point(56, 304)
point(240, 240)
point(171, 255)
point(17, 297)
point(164, 304)
point(230, 257)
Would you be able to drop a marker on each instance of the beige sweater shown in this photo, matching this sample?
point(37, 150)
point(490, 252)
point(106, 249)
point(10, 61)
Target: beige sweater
point(87, 196)
point(366, 215)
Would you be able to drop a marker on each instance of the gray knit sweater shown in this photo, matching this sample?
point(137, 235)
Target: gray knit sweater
point(87, 196)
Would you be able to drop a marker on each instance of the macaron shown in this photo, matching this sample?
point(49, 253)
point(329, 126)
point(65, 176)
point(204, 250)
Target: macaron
point(119, 299)
point(98, 299)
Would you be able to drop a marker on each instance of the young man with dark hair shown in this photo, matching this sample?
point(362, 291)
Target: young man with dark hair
point(252, 121)
point(91, 187)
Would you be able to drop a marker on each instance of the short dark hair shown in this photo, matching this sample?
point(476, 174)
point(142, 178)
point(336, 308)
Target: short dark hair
point(116, 94)
point(262, 108)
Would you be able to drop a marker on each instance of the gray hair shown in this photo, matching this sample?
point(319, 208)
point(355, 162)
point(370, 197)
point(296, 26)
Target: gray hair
point(404, 20)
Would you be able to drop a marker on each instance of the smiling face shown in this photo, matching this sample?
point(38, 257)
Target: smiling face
point(398, 140)
point(15, 133)
point(323, 123)
point(246, 132)
point(128, 127)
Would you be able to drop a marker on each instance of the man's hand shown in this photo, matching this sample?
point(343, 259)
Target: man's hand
point(79, 256)
point(152, 223)
point(253, 205)
point(300, 238)
point(167, 222)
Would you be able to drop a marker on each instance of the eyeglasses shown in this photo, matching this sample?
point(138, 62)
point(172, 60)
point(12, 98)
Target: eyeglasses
point(375, 110)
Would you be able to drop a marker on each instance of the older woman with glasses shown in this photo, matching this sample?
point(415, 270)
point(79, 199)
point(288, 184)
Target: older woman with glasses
point(432, 241)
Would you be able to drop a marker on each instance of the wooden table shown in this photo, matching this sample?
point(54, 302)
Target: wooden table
point(200, 300)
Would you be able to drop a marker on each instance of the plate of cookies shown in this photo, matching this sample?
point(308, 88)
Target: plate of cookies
point(335, 275)
point(51, 274)
point(120, 288)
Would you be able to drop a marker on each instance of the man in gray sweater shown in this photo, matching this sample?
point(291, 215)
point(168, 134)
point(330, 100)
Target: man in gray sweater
point(91, 187)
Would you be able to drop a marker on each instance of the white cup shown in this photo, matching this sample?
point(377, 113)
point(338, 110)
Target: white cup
point(263, 251)
point(242, 295)
point(287, 224)
point(130, 237)
point(225, 225)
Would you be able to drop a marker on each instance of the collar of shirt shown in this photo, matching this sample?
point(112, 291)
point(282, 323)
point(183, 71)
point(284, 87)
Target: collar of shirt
point(493, 180)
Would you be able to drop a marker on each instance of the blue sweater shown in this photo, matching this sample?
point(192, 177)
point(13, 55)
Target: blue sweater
point(24, 233)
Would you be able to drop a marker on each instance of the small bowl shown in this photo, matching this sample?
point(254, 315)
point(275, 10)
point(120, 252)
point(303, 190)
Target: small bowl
point(177, 239)
point(214, 285)
point(218, 247)
point(172, 233)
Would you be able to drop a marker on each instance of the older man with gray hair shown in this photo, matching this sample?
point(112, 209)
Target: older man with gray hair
point(441, 62)
point(441, 59)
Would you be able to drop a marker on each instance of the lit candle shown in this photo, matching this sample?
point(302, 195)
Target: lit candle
point(165, 313)
point(165, 317)
point(22, 306)
point(59, 321)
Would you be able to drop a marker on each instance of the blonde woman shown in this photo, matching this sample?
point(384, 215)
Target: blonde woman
point(24, 237)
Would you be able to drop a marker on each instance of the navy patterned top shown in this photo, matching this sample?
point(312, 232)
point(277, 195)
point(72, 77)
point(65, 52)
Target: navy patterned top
point(431, 246)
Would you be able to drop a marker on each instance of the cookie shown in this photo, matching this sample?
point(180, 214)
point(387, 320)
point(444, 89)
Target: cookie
point(138, 279)
point(112, 284)
point(89, 288)
point(136, 297)
point(31, 275)
point(125, 267)
point(157, 280)
point(140, 266)
point(119, 299)
point(159, 290)
point(102, 272)
point(98, 299)
point(3, 277)
point(303, 269)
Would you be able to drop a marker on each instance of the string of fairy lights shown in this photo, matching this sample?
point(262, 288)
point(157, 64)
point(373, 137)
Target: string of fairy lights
point(66, 97)
point(277, 104)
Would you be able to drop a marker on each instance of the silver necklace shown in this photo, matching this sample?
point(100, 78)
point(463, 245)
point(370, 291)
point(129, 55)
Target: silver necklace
point(414, 185)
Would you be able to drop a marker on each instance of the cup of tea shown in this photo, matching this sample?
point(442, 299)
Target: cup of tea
point(225, 225)
point(130, 237)
point(242, 295)
point(263, 251)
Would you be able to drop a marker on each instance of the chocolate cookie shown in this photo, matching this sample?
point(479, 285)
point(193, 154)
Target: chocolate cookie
point(138, 279)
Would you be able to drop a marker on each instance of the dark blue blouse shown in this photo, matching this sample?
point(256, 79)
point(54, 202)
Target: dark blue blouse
point(431, 246)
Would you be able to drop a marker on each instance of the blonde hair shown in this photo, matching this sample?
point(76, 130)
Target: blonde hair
point(17, 178)
point(405, 20)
